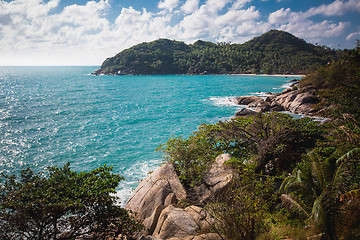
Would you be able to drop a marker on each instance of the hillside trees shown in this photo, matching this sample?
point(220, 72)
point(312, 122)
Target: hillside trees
point(273, 52)
point(338, 84)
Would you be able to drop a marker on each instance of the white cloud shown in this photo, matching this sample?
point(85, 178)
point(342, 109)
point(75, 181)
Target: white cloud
point(314, 32)
point(301, 24)
point(353, 36)
point(336, 8)
point(33, 30)
point(234, 17)
point(168, 4)
point(32, 33)
point(190, 6)
point(208, 23)
point(240, 4)
point(216, 5)
point(280, 16)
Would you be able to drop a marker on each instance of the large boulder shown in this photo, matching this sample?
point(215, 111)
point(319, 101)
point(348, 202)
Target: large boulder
point(298, 101)
point(206, 236)
point(245, 112)
point(215, 180)
point(285, 99)
point(276, 107)
point(161, 186)
point(245, 100)
point(151, 222)
point(201, 217)
point(175, 222)
point(260, 106)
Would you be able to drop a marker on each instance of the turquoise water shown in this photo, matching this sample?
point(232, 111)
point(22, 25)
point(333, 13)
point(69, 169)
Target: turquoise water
point(53, 115)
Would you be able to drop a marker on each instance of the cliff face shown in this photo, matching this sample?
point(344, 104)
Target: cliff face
point(273, 52)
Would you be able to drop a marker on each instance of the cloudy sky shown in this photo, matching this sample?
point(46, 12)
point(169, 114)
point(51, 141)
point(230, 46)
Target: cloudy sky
point(79, 32)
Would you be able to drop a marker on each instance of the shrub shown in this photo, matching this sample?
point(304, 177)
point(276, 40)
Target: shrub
point(241, 211)
point(273, 142)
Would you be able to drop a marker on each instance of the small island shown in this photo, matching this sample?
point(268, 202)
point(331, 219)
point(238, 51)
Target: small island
point(275, 52)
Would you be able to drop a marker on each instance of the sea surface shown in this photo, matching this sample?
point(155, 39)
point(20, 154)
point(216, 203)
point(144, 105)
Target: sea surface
point(54, 115)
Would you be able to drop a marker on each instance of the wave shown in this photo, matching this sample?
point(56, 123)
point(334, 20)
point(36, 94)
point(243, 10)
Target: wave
point(137, 171)
point(221, 101)
point(287, 85)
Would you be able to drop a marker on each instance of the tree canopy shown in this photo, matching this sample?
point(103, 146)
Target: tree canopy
point(63, 204)
point(273, 52)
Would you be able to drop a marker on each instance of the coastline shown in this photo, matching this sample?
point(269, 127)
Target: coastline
point(99, 73)
point(270, 75)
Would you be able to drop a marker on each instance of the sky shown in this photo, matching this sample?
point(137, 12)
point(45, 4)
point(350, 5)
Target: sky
point(79, 32)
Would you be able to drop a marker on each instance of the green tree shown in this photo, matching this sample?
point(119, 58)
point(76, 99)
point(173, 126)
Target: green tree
point(317, 187)
point(63, 204)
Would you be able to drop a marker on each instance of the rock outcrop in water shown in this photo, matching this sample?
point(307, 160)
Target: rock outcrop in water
point(156, 201)
point(298, 101)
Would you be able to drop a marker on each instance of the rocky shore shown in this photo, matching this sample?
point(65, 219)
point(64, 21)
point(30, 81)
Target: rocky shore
point(159, 200)
point(293, 100)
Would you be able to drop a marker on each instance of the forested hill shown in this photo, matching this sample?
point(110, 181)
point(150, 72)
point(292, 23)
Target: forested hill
point(273, 52)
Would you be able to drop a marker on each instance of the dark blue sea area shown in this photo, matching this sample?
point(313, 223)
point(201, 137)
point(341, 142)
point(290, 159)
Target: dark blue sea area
point(54, 115)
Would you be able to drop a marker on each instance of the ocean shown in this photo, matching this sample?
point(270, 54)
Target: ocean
point(54, 115)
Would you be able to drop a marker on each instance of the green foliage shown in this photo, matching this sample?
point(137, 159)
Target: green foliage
point(63, 204)
point(317, 186)
point(273, 142)
point(289, 231)
point(192, 156)
point(273, 52)
point(339, 84)
point(240, 212)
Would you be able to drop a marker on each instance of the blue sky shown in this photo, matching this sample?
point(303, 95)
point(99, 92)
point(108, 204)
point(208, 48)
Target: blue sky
point(79, 32)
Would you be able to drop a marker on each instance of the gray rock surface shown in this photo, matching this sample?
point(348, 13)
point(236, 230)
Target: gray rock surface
point(151, 222)
point(245, 100)
point(215, 180)
point(245, 112)
point(201, 217)
point(299, 101)
point(153, 191)
point(175, 222)
point(207, 236)
point(155, 199)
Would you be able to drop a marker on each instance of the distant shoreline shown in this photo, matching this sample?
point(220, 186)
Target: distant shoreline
point(97, 73)
point(273, 75)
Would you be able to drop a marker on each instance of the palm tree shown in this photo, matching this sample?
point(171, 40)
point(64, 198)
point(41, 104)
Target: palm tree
point(321, 183)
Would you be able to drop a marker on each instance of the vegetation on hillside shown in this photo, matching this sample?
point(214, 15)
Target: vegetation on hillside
point(312, 170)
point(63, 204)
point(273, 52)
point(338, 84)
point(273, 143)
